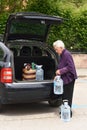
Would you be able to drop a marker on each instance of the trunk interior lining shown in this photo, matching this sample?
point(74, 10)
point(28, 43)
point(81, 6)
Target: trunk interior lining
point(47, 62)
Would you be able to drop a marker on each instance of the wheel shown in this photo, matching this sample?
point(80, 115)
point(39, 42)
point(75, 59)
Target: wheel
point(55, 102)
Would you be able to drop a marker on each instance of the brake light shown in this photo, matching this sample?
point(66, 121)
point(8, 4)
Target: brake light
point(6, 75)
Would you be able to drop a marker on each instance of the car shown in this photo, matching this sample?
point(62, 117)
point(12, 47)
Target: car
point(24, 42)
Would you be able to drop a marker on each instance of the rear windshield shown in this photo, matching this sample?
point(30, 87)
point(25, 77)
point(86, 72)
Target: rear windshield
point(30, 28)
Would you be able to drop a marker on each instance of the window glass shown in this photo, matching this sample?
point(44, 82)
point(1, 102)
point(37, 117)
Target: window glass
point(25, 27)
point(1, 54)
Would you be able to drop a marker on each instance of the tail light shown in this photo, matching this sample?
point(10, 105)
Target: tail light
point(6, 75)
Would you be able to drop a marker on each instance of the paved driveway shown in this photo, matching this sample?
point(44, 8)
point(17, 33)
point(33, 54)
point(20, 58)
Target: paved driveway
point(39, 116)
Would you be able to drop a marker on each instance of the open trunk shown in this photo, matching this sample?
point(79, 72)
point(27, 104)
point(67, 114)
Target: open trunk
point(47, 62)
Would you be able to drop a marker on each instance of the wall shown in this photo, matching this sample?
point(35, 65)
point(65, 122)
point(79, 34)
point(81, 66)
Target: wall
point(80, 60)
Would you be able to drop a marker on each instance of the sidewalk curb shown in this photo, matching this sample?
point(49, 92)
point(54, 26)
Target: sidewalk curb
point(82, 76)
point(82, 73)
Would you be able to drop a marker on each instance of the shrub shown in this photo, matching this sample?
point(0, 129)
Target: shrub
point(73, 31)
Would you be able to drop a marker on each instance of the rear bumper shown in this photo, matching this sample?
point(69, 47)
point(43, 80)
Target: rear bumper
point(27, 92)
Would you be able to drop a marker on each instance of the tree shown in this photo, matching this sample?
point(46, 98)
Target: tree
point(73, 31)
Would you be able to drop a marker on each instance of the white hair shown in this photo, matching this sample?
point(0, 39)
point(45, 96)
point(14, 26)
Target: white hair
point(59, 43)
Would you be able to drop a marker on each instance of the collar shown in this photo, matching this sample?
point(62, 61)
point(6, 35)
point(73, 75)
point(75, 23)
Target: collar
point(63, 52)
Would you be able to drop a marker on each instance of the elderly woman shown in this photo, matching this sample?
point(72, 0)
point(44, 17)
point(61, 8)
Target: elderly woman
point(66, 69)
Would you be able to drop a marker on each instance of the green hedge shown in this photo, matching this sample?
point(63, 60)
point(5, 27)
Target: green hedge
point(73, 31)
point(3, 19)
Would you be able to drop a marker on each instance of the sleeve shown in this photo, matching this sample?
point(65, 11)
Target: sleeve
point(69, 66)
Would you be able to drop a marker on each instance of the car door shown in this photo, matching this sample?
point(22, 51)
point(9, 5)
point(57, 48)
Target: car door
point(29, 26)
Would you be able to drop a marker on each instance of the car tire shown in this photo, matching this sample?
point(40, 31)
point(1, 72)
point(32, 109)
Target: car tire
point(55, 102)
